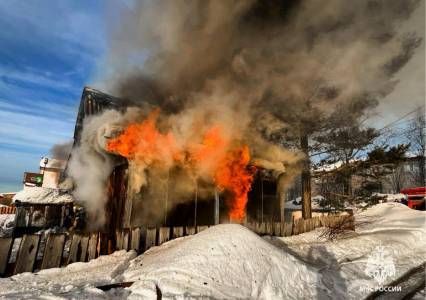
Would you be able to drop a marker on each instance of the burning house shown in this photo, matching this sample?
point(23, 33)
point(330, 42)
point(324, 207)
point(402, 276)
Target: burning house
point(173, 197)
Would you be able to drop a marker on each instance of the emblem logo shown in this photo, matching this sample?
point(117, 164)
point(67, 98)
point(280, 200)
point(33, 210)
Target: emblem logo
point(380, 265)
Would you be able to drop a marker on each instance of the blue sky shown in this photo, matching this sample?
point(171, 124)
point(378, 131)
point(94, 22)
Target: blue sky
point(48, 51)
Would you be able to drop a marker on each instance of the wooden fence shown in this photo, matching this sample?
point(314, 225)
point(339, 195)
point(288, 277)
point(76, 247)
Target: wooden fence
point(34, 252)
point(7, 210)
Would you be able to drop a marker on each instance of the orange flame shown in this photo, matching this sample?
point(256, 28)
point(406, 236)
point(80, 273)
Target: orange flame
point(143, 142)
point(234, 176)
point(225, 164)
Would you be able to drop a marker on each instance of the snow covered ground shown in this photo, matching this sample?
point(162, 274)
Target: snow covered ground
point(342, 263)
point(229, 261)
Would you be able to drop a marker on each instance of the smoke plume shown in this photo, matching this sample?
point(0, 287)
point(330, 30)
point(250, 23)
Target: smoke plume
point(253, 68)
point(61, 151)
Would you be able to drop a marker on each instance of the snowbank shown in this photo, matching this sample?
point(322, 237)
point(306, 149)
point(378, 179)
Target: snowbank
point(75, 281)
point(222, 262)
point(41, 195)
point(225, 261)
point(342, 263)
point(229, 261)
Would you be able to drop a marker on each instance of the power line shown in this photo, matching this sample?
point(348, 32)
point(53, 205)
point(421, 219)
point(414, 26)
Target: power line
point(400, 118)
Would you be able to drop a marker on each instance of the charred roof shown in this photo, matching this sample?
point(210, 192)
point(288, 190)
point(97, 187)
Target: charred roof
point(94, 102)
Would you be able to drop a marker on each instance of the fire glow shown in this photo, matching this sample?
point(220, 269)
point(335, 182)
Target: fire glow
point(225, 161)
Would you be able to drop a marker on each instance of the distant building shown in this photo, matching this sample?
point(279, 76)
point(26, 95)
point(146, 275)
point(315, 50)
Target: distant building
point(51, 169)
point(392, 180)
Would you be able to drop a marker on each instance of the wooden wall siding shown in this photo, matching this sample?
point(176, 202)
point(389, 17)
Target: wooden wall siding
point(62, 249)
point(9, 210)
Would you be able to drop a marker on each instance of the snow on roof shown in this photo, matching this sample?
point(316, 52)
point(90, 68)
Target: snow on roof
point(52, 163)
point(41, 195)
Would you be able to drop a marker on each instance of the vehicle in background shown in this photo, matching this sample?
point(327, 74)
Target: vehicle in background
point(415, 197)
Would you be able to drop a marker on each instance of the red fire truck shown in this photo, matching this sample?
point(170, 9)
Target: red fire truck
point(415, 197)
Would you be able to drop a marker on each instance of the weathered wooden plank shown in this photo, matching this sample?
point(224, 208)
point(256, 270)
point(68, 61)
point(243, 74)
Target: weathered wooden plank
point(135, 239)
point(308, 225)
point(78, 248)
point(5, 247)
point(189, 230)
point(75, 248)
point(163, 235)
point(27, 253)
point(263, 228)
point(103, 244)
point(269, 228)
point(201, 228)
point(150, 238)
point(125, 239)
point(93, 244)
point(84, 246)
point(296, 227)
point(52, 255)
point(287, 229)
point(277, 228)
point(118, 239)
point(177, 232)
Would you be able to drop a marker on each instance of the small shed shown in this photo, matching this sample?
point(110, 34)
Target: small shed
point(40, 208)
